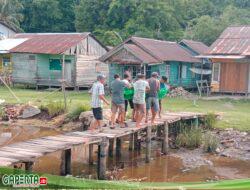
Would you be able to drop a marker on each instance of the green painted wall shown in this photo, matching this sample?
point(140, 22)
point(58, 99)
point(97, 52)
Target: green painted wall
point(176, 79)
point(30, 71)
point(189, 80)
point(44, 66)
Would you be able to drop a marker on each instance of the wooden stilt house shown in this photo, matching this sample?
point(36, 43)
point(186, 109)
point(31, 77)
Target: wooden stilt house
point(230, 55)
point(149, 55)
point(45, 59)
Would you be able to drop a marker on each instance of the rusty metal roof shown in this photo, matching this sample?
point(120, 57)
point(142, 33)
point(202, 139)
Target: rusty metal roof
point(164, 50)
point(196, 46)
point(140, 53)
point(48, 43)
point(153, 51)
point(235, 40)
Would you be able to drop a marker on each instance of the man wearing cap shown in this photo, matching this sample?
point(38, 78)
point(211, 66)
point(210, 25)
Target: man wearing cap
point(152, 101)
point(97, 99)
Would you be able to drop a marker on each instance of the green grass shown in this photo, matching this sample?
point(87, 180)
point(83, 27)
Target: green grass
point(235, 113)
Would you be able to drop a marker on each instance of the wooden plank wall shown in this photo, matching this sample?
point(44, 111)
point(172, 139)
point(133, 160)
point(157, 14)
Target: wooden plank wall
point(87, 68)
point(234, 77)
point(24, 69)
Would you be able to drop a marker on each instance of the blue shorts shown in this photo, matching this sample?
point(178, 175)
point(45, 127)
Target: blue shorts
point(152, 102)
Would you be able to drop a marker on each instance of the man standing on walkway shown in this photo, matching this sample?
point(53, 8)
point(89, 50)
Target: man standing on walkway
point(128, 96)
point(152, 101)
point(117, 91)
point(140, 88)
point(97, 99)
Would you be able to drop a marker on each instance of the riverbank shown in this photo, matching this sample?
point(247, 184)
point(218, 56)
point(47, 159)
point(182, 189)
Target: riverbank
point(233, 113)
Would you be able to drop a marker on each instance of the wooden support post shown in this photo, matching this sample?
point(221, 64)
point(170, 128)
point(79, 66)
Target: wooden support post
point(66, 162)
point(131, 142)
point(111, 147)
point(196, 122)
point(102, 159)
point(91, 146)
point(165, 139)
point(136, 141)
point(158, 131)
point(28, 166)
point(118, 147)
point(148, 144)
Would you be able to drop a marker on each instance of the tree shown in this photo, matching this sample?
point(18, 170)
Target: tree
point(91, 15)
point(41, 16)
point(205, 29)
point(11, 13)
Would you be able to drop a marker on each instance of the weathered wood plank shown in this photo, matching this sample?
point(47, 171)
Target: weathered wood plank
point(16, 156)
point(21, 151)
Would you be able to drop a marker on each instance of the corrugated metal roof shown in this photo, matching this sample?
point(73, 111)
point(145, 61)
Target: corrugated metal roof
point(8, 44)
point(48, 43)
point(197, 46)
point(165, 50)
point(235, 40)
point(141, 54)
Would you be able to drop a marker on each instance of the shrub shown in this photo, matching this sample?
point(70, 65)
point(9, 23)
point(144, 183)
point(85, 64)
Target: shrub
point(189, 138)
point(77, 110)
point(210, 120)
point(53, 108)
point(210, 142)
point(2, 112)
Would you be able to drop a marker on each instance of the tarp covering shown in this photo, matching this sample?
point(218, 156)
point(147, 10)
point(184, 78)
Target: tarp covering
point(201, 71)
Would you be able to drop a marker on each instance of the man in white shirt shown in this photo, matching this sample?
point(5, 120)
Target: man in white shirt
point(140, 88)
point(97, 99)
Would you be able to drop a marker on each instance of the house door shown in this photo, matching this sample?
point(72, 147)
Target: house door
point(68, 72)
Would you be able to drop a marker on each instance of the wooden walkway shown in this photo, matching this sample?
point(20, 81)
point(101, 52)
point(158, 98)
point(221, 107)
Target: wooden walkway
point(28, 151)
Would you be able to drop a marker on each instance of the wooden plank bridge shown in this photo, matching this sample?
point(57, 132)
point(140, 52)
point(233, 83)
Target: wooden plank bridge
point(28, 151)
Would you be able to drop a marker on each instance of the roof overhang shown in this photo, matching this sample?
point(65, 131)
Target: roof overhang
point(221, 56)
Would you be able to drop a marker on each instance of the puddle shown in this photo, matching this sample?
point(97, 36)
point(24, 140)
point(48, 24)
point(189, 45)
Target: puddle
point(14, 134)
point(131, 166)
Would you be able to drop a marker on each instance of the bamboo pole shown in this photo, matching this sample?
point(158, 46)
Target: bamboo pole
point(10, 89)
point(63, 82)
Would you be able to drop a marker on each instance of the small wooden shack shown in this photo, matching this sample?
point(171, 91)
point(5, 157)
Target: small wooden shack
point(149, 55)
point(45, 59)
point(230, 55)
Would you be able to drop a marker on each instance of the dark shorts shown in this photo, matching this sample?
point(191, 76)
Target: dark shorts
point(139, 108)
point(97, 112)
point(131, 104)
point(152, 102)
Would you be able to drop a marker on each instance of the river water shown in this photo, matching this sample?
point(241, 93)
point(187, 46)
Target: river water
point(131, 165)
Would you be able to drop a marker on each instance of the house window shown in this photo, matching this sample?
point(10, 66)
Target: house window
point(168, 71)
point(192, 71)
point(6, 61)
point(67, 61)
point(134, 70)
point(32, 57)
point(55, 64)
point(184, 72)
point(216, 72)
point(148, 71)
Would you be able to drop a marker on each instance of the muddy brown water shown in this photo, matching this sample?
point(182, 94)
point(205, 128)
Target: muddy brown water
point(131, 165)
